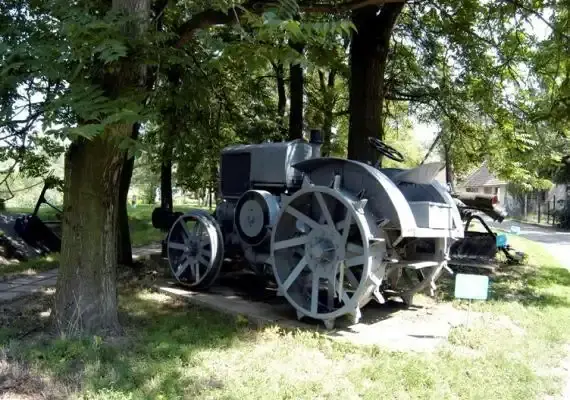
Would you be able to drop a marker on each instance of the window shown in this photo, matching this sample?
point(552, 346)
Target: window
point(488, 190)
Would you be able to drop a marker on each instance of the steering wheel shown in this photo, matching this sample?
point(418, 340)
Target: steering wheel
point(383, 148)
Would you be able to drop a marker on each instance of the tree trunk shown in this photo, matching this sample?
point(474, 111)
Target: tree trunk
point(166, 202)
point(151, 193)
point(174, 75)
point(296, 92)
point(86, 298)
point(281, 98)
point(86, 292)
point(368, 54)
point(125, 254)
point(448, 167)
point(327, 90)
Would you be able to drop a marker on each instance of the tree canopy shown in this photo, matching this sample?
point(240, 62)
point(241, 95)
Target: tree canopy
point(172, 83)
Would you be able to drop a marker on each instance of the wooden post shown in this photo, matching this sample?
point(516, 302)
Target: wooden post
point(538, 196)
point(553, 210)
point(548, 212)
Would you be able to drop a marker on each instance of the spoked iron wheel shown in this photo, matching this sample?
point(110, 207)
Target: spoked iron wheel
point(195, 249)
point(325, 260)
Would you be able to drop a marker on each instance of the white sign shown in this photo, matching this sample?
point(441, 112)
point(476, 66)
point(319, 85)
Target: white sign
point(472, 287)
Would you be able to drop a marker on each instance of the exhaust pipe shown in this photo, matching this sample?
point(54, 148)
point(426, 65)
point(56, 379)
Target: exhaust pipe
point(316, 142)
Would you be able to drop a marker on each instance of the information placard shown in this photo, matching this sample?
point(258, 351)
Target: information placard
point(471, 287)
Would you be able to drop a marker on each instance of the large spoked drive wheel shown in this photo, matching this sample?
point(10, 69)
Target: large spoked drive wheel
point(325, 258)
point(195, 249)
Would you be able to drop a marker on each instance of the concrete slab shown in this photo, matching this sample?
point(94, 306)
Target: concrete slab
point(391, 326)
point(44, 275)
point(44, 282)
point(20, 281)
point(4, 286)
point(9, 296)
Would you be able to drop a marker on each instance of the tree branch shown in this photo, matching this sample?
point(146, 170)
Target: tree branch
point(211, 17)
point(520, 5)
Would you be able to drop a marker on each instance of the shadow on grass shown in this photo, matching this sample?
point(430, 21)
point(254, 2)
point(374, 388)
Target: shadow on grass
point(162, 337)
point(528, 285)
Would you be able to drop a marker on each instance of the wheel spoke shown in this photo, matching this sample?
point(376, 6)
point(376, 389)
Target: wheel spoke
point(346, 226)
point(187, 235)
point(351, 278)
point(295, 273)
point(315, 292)
point(202, 260)
point(324, 209)
point(354, 249)
point(330, 293)
point(302, 217)
point(207, 253)
point(296, 241)
point(358, 260)
point(181, 268)
point(196, 271)
point(177, 246)
point(345, 298)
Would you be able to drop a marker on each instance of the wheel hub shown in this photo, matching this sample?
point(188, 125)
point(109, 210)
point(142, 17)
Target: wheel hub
point(192, 249)
point(323, 250)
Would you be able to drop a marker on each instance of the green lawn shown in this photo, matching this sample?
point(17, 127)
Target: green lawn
point(171, 350)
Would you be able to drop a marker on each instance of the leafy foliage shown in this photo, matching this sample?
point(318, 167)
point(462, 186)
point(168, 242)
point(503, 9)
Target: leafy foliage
point(492, 76)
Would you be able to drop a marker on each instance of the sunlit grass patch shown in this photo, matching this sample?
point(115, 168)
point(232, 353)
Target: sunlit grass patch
point(29, 268)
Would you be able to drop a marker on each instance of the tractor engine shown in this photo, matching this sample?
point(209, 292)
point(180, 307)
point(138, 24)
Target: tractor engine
point(254, 180)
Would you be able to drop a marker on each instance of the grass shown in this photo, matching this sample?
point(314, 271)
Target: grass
point(30, 267)
point(171, 350)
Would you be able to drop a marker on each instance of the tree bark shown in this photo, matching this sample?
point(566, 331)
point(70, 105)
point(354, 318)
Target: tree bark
point(296, 91)
point(368, 55)
point(125, 254)
point(166, 201)
point(327, 91)
point(448, 167)
point(86, 292)
point(281, 97)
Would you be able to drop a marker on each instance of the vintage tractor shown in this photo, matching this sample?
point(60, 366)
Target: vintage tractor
point(333, 234)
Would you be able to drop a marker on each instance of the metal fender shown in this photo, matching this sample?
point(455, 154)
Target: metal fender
point(457, 222)
point(385, 200)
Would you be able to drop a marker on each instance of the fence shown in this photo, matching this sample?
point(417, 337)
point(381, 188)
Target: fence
point(534, 208)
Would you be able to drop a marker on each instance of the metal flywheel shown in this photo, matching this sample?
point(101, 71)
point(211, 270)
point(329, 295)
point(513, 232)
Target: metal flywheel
point(195, 249)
